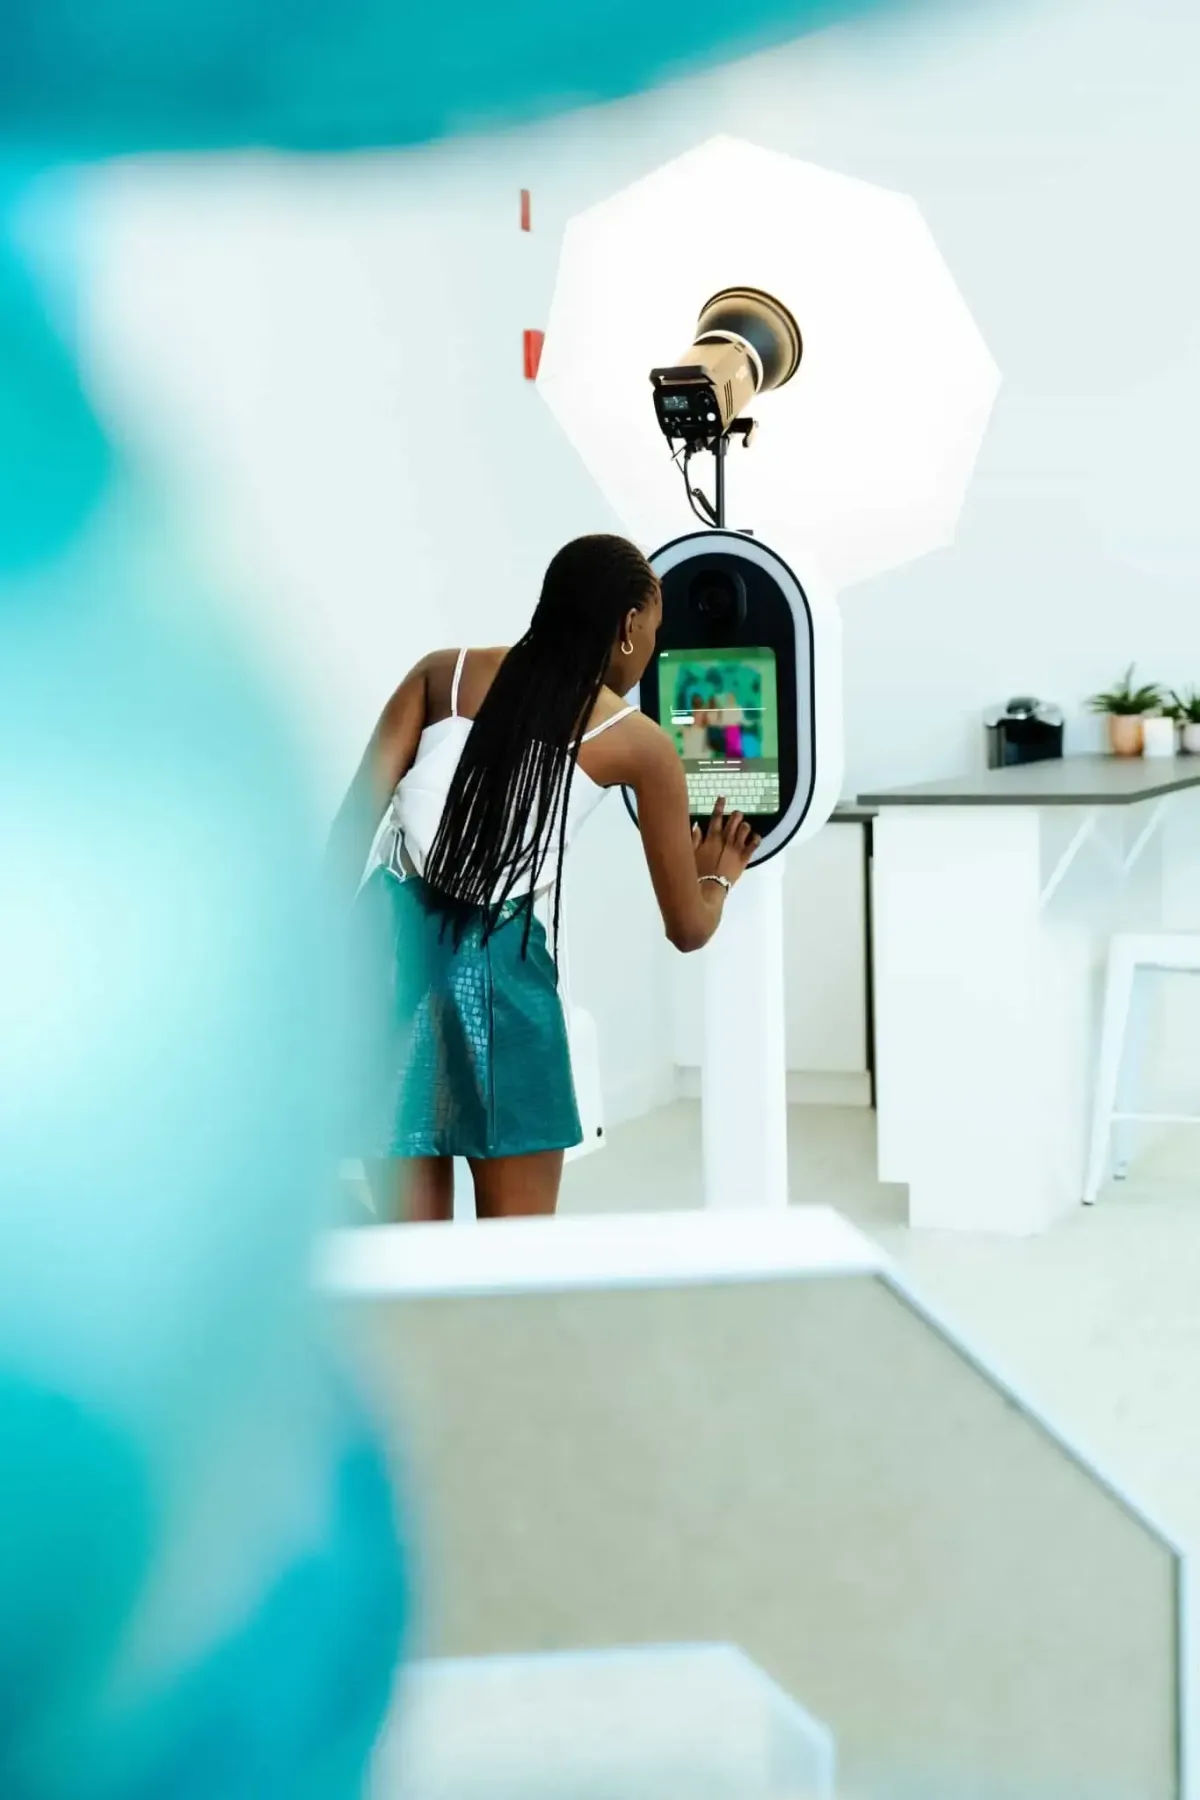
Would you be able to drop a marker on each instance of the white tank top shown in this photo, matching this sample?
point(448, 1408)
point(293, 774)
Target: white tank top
point(416, 808)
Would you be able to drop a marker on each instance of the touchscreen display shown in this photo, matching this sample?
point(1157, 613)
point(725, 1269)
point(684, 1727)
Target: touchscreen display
point(721, 707)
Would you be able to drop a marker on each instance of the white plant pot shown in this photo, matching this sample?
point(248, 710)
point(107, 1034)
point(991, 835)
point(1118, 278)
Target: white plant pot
point(1160, 737)
point(1191, 737)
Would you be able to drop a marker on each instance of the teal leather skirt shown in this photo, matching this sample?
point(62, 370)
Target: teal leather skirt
point(468, 1053)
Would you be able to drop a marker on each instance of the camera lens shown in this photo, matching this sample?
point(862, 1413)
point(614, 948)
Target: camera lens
point(763, 322)
point(718, 596)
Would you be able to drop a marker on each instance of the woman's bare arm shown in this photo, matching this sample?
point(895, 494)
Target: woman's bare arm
point(386, 760)
point(638, 755)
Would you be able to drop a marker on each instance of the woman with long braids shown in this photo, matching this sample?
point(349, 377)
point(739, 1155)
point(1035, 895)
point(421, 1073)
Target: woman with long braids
point(487, 762)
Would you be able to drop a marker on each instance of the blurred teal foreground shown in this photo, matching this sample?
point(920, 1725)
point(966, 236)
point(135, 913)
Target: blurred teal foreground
point(117, 75)
point(201, 1592)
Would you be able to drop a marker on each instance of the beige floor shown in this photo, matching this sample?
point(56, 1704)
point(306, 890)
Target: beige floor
point(1098, 1323)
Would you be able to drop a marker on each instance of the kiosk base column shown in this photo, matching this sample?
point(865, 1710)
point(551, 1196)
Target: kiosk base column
point(744, 1071)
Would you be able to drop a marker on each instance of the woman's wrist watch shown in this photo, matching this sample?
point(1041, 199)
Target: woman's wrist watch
point(721, 881)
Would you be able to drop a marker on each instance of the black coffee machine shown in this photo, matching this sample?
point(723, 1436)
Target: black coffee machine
point(1023, 731)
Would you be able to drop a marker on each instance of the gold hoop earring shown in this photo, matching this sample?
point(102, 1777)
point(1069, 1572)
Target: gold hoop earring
point(626, 649)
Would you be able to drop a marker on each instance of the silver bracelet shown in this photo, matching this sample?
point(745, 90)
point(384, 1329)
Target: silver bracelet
point(722, 881)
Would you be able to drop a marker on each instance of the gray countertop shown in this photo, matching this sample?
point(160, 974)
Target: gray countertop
point(1071, 781)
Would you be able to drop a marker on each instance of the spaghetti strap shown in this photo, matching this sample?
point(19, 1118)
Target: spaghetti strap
point(607, 724)
point(459, 666)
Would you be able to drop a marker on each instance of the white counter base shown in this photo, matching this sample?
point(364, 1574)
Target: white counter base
point(991, 929)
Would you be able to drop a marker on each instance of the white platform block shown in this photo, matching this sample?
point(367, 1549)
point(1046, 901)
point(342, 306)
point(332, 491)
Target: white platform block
point(695, 1720)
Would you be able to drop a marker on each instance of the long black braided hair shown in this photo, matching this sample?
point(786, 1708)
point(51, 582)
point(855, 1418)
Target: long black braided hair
point(510, 791)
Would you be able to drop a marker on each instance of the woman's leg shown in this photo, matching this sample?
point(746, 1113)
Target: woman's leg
point(417, 1190)
point(513, 1187)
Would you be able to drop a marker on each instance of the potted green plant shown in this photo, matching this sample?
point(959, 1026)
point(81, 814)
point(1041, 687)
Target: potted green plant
point(1186, 709)
point(1125, 707)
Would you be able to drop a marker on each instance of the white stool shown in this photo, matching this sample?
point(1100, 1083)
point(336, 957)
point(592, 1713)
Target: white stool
point(1176, 953)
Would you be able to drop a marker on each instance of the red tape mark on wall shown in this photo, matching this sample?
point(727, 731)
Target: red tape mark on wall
point(533, 339)
point(533, 353)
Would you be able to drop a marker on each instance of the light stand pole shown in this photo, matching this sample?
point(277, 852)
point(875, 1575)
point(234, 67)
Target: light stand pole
point(714, 509)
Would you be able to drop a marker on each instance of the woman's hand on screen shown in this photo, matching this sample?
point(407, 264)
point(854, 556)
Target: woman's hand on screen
point(726, 846)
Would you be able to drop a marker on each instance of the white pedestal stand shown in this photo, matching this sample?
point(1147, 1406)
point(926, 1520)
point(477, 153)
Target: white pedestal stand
point(743, 1084)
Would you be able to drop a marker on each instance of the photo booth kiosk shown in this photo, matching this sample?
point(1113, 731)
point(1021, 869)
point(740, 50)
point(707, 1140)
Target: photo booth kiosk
point(746, 680)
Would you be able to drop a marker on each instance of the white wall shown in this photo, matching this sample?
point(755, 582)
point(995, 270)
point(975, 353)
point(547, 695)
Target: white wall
point(328, 355)
point(329, 361)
